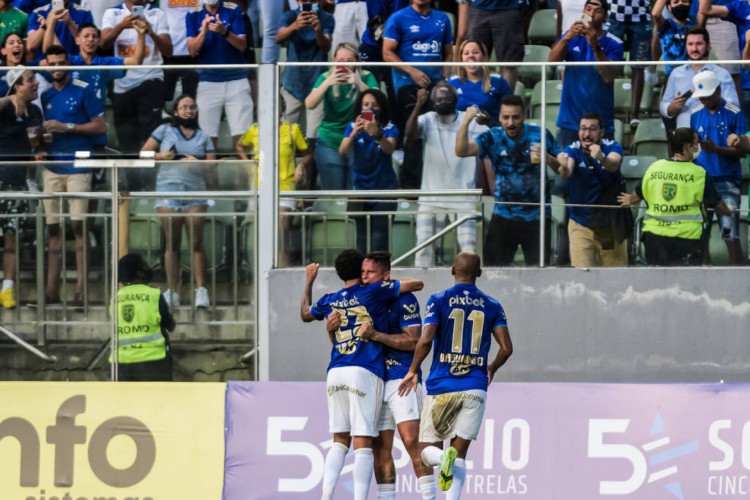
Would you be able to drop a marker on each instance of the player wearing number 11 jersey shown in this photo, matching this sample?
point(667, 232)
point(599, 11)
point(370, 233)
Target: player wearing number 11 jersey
point(355, 373)
point(461, 321)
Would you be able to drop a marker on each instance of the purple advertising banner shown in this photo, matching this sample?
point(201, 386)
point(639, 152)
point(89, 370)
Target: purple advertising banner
point(538, 442)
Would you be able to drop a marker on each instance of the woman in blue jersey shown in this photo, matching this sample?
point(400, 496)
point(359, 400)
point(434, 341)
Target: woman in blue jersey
point(476, 86)
point(183, 140)
point(369, 142)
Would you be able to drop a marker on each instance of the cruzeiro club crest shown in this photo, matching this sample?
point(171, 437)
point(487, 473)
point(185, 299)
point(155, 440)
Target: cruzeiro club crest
point(669, 191)
point(128, 312)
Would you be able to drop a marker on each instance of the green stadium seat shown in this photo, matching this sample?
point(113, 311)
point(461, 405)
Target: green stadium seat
point(650, 139)
point(404, 231)
point(553, 90)
point(331, 231)
point(633, 168)
point(623, 98)
point(619, 131)
point(532, 74)
point(543, 27)
point(225, 144)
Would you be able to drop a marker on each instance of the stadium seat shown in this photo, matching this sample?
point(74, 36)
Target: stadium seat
point(623, 98)
point(452, 19)
point(543, 27)
point(553, 90)
point(233, 175)
point(532, 74)
point(225, 144)
point(145, 234)
point(650, 139)
point(404, 231)
point(331, 231)
point(619, 131)
point(633, 168)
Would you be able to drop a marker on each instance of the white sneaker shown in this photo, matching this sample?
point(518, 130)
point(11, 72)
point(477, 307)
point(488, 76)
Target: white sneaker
point(201, 297)
point(172, 298)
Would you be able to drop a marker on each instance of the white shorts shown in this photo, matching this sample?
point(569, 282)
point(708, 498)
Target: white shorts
point(355, 396)
point(231, 97)
point(446, 416)
point(397, 409)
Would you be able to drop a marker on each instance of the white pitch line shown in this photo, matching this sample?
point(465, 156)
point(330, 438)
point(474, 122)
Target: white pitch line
point(656, 444)
point(661, 474)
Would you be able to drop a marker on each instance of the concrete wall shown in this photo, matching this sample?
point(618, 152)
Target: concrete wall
point(571, 325)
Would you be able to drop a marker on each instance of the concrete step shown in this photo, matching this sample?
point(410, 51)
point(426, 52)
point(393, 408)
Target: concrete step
point(216, 324)
point(193, 362)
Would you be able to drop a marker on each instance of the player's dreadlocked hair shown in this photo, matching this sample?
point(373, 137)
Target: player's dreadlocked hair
point(349, 264)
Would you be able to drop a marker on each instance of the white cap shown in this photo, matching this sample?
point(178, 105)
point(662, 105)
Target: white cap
point(13, 75)
point(705, 84)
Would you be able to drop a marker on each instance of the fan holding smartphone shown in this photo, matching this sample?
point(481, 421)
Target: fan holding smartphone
point(369, 142)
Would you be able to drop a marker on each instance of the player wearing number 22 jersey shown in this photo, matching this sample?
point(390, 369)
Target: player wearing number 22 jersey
point(354, 383)
point(356, 304)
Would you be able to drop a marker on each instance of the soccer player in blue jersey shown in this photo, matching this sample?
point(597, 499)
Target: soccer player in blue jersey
point(399, 341)
point(356, 371)
point(514, 149)
point(461, 321)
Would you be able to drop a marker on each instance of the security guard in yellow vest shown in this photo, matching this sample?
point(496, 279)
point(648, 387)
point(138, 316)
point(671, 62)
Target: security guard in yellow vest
point(143, 320)
point(677, 192)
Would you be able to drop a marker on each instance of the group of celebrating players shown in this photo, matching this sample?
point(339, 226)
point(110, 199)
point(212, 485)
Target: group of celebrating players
point(374, 377)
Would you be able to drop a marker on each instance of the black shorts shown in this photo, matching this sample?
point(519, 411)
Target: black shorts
point(505, 235)
point(666, 251)
point(499, 29)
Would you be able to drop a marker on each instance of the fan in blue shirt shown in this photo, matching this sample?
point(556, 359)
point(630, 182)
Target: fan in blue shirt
point(418, 34)
point(672, 31)
point(73, 112)
point(77, 15)
point(213, 45)
point(588, 177)
point(303, 46)
point(516, 176)
point(588, 89)
point(714, 127)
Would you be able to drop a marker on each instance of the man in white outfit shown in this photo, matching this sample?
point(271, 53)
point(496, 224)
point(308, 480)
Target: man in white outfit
point(442, 169)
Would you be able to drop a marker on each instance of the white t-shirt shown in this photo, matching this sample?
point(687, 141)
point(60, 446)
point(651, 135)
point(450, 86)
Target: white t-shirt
point(126, 42)
point(176, 10)
point(442, 168)
point(98, 7)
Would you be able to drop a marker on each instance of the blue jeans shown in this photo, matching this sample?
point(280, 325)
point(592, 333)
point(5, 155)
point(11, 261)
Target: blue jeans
point(729, 224)
point(272, 11)
point(637, 37)
point(334, 170)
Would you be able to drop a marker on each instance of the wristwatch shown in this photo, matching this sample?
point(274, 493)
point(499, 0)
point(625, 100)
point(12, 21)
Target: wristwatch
point(71, 127)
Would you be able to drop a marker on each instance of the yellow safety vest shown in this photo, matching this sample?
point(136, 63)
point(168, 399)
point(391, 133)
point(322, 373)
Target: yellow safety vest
point(674, 193)
point(139, 334)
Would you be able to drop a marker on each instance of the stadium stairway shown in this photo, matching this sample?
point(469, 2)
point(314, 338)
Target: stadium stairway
point(206, 345)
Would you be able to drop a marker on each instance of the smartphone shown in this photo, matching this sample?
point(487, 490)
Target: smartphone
point(138, 10)
point(368, 115)
point(687, 94)
point(307, 7)
point(58, 4)
point(586, 20)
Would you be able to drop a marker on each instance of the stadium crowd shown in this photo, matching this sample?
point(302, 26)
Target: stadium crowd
point(444, 127)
